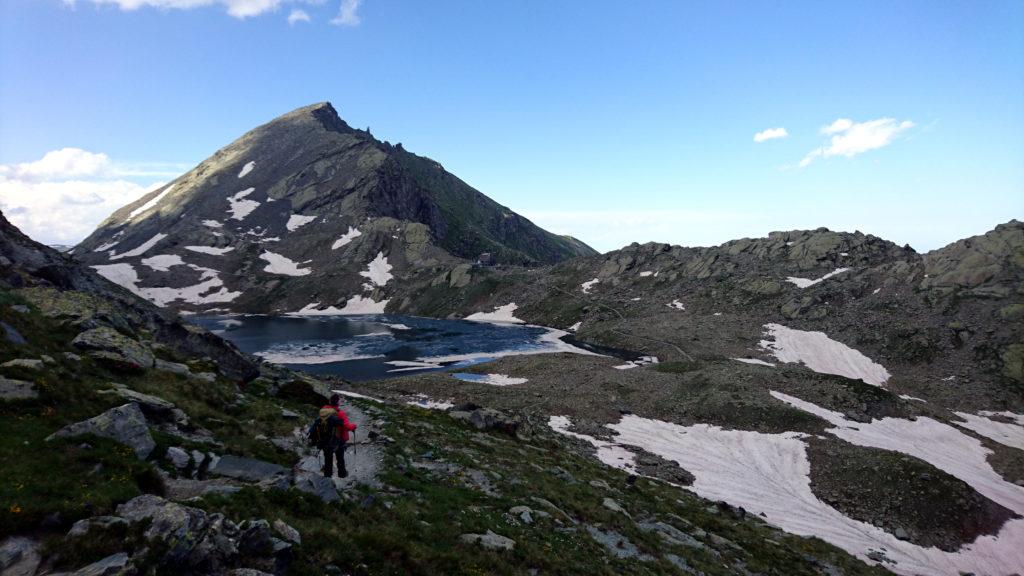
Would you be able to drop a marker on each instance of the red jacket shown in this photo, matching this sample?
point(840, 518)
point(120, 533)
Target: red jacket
point(346, 426)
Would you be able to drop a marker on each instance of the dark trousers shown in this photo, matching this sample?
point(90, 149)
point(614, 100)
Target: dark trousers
point(330, 455)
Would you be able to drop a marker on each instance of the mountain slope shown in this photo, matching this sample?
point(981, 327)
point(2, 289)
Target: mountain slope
point(305, 210)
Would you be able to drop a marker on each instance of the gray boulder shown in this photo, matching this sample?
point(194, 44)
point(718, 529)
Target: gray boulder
point(315, 484)
point(125, 424)
point(84, 526)
point(111, 347)
point(287, 532)
point(19, 556)
point(173, 367)
point(109, 566)
point(12, 335)
point(17, 389)
point(178, 457)
point(490, 540)
point(490, 419)
point(248, 469)
point(29, 363)
point(153, 407)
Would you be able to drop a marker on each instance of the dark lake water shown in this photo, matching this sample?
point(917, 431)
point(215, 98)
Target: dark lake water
point(370, 347)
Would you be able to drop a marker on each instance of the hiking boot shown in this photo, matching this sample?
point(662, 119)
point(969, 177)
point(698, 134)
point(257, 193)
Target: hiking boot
point(343, 474)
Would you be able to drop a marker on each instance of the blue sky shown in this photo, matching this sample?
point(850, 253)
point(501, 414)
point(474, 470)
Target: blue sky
point(613, 121)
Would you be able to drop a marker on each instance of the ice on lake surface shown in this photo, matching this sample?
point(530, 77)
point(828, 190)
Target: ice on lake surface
point(380, 346)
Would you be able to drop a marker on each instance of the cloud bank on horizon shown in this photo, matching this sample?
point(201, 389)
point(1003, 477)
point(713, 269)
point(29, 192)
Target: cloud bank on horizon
point(347, 14)
point(63, 196)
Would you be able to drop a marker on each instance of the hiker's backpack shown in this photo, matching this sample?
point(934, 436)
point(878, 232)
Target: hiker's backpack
point(320, 429)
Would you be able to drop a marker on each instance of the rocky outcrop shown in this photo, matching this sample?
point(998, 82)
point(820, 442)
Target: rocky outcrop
point(113, 348)
point(61, 288)
point(125, 424)
point(17, 389)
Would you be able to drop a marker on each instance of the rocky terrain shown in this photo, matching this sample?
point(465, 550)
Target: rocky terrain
point(305, 212)
point(133, 444)
point(811, 402)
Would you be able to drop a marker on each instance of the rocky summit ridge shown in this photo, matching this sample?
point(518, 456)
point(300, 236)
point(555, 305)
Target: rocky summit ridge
point(308, 212)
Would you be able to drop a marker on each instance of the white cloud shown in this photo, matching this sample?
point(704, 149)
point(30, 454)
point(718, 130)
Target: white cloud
point(63, 196)
point(298, 16)
point(347, 15)
point(66, 162)
point(770, 134)
point(851, 138)
point(236, 8)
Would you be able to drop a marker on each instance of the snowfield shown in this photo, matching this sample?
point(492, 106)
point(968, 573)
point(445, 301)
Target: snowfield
point(424, 401)
point(278, 264)
point(153, 202)
point(247, 168)
point(822, 354)
point(106, 246)
point(588, 285)
point(643, 361)
point(804, 282)
point(141, 249)
point(210, 250)
point(754, 361)
point(346, 238)
point(125, 275)
point(769, 474)
point(296, 221)
point(676, 304)
point(212, 224)
point(163, 262)
point(491, 379)
point(356, 305)
point(500, 315)
point(1006, 433)
point(240, 207)
point(378, 271)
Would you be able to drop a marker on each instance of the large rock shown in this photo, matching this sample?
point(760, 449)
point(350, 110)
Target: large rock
point(17, 389)
point(111, 347)
point(490, 540)
point(11, 335)
point(125, 424)
point(153, 407)
point(19, 556)
point(315, 484)
point(248, 469)
point(27, 363)
point(109, 566)
point(490, 419)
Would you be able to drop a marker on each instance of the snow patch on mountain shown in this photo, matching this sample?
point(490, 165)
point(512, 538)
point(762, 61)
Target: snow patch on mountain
point(754, 361)
point(296, 221)
point(356, 305)
point(212, 224)
point(500, 315)
point(278, 264)
point(822, 354)
point(247, 168)
point(642, 361)
point(141, 249)
point(1006, 433)
point(378, 270)
point(152, 202)
point(107, 246)
point(588, 285)
point(346, 238)
point(163, 262)
point(210, 250)
point(490, 379)
point(805, 282)
point(609, 453)
point(240, 207)
point(676, 304)
point(125, 275)
point(769, 475)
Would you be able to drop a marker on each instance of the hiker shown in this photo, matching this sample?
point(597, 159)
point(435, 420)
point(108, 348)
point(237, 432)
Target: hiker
point(330, 433)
